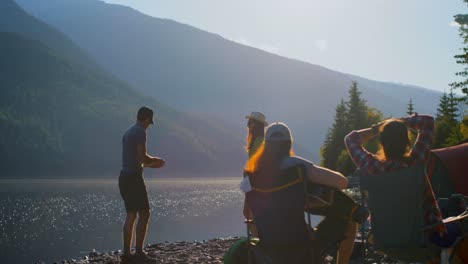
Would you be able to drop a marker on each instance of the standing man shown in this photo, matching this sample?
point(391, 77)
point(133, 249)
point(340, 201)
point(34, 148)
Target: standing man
point(132, 185)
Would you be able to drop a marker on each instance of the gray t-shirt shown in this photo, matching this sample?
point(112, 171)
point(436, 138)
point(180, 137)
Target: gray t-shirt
point(134, 136)
point(289, 162)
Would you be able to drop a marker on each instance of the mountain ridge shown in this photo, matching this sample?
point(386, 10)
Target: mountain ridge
point(60, 116)
point(205, 73)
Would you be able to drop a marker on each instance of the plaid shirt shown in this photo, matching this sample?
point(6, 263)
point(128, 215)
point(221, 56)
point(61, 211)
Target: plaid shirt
point(369, 162)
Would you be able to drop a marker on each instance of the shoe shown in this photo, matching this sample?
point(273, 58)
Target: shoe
point(141, 256)
point(126, 258)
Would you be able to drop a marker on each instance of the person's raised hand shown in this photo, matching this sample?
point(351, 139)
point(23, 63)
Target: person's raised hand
point(157, 163)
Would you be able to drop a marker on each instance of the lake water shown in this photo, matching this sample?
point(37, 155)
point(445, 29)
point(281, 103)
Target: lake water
point(52, 220)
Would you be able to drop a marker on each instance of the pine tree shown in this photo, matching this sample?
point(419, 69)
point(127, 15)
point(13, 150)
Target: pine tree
point(333, 145)
point(344, 164)
point(357, 109)
point(442, 110)
point(410, 109)
point(462, 20)
point(464, 128)
point(447, 130)
point(452, 109)
point(351, 115)
point(455, 136)
point(326, 150)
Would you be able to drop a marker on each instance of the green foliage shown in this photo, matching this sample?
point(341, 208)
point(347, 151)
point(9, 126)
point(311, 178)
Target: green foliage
point(455, 136)
point(462, 59)
point(48, 108)
point(443, 129)
point(351, 115)
point(410, 109)
point(452, 109)
point(447, 127)
point(334, 139)
point(344, 163)
point(58, 116)
point(464, 127)
point(458, 133)
point(442, 110)
point(357, 114)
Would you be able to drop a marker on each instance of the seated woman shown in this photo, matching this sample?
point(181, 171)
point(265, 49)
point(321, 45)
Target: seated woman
point(395, 154)
point(279, 215)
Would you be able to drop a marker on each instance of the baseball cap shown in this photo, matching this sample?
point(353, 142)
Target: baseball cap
point(145, 113)
point(278, 132)
point(258, 117)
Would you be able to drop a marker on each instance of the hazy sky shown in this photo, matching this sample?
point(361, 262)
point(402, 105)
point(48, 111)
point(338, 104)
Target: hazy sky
point(407, 41)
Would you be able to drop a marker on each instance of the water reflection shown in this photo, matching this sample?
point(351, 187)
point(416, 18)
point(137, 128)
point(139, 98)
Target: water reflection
point(52, 220)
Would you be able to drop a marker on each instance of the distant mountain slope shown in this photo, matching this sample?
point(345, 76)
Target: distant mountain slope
point(61, 117)
point(424, 100)
point(14, 19)
point(57, 117)
point(203, 72)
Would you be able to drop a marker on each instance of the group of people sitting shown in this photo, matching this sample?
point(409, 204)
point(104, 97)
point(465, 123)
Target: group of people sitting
point(277, 204)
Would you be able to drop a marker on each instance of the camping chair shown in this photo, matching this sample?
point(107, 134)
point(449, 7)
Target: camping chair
point(395, 201)
point(338, 209)
point(313, 199)
point(277, 205)
point(447, 170)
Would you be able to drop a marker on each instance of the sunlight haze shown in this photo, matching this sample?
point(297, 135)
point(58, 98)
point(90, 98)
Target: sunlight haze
point(411, 42)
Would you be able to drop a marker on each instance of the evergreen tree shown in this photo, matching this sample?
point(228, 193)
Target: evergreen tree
point(333, 145)
point(351, 115)
point(357, 109)
point(344, 164)
point(410, 109)
point(464, 127)
point(326, 150)
point(455, 136)
point(452, 109)
point(462, 20)
point(442, 110)
point(447, 130)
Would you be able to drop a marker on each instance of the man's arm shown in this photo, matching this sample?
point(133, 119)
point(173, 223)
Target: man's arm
point(147, 160)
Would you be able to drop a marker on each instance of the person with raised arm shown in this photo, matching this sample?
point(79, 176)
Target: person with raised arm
point(132, 184)
point(396, 153)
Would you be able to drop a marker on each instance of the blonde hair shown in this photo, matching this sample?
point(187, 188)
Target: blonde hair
point(268, 155)
point(257, 130)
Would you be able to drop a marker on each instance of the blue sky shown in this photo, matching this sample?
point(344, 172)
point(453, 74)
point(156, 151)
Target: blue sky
point(403, 41)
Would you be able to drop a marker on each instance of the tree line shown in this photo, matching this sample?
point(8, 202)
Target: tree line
point(451, 127)
point(451, 119)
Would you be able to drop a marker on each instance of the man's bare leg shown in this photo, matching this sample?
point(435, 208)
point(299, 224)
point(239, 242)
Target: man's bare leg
point(128, 232)
point(141, 229)
point(346, 246)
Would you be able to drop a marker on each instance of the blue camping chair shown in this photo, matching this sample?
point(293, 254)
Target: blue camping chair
point(395, 201)
point(282, 240)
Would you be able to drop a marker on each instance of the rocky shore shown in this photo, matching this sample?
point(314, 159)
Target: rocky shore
point(210, 251)
point(181, 252)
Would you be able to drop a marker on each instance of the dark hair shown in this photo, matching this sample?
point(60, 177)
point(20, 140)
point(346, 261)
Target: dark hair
point(256, 129)
point(144, 113)
point(394, 139)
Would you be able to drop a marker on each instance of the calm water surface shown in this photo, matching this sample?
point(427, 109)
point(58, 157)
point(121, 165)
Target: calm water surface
point(52, 220)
